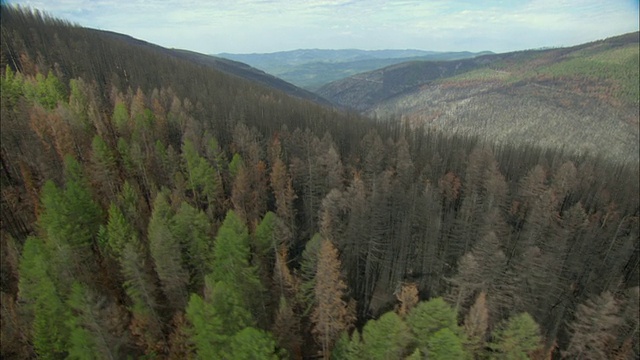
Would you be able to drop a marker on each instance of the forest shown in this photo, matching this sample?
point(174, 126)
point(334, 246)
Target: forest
point(156, 208)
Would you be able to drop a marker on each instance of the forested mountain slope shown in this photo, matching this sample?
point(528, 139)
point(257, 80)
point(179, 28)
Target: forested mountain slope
point(584, 98)
point(91, 48)
point(156, 208)
point(313, 68)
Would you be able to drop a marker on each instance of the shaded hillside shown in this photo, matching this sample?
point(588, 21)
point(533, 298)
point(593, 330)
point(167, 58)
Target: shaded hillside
point(313, 68)
point(236, 68)
point(151, 207)
point(89, 44)
point(247, 72)
point(584, 98)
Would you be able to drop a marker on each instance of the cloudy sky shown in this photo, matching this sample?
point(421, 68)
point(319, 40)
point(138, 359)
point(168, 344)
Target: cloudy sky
point(245, 26)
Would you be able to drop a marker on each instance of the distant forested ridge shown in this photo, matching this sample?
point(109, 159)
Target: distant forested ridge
point(313, 68)
point(155, 207)
point(584, 98)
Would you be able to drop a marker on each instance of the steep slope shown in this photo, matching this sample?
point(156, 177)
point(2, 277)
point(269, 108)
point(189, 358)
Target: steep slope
point(102, 52)
point(231, 67)
point(313, 68)
point(584, 98)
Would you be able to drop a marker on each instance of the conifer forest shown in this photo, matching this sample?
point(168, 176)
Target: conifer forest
point(157, 208)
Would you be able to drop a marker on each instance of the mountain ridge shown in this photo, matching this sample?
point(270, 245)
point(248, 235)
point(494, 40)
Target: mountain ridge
point(312, 68)
point(228, 66)
point(558, 94)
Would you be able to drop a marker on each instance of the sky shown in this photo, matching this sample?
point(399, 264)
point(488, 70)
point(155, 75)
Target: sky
point(259, 26)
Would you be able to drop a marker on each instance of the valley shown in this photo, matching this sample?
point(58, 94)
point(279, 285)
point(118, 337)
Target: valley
point(313, 68)
point(584, 99)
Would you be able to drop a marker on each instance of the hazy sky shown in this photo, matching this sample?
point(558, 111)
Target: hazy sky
point(245, 26)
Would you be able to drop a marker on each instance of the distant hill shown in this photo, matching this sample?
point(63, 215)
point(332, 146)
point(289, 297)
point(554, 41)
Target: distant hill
point(225, 65)
point(312, 68)
point(584, 98)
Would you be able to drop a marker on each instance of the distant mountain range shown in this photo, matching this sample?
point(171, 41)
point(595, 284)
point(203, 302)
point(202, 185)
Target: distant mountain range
point(584, 98)
point(312, 68)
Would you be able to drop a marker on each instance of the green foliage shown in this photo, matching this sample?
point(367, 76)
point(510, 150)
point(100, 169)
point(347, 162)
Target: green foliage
point(45, 91)
point(79, 103)
point(138, 284)
point(166, 253)
point(231, 254)
point(235, 165)
point(82, 344)
point(308, 269)
point(415, 355)
point(444, 345)
point(348, 348)
point(49, 331)
point(120, 117)
point(70, 216)
point(385, 338)
point(119, 231)
point(128, 201)
point(264, 235)
point(125, 154)
point(10, 88)
point(251, 343)
point(101, 152)
point(82, 213)
point(429, 317)
point(218, 319)
point(191, 227)
point(33, 267)
point(229, 304)
point(202, 178)
point(205, 328)
point(215, 155)
point(515, 338)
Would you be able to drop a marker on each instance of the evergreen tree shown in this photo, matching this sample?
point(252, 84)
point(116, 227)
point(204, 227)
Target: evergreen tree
point(89, 334)
point(231, 254)
point(192, 228)
point(385, 338)
point(308, 266)
point(205, 334)
point(49, 333)
point(104, 168)
point(516, 338)
point(140, 287)
point(348, 348)
point(428, 317)
point(251, 343)
point(444, 344)
point(166, 253)
point(118, 231)
point(202, 179)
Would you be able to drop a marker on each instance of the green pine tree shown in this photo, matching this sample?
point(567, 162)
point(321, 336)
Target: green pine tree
point(166, 253)
point(516, 338)
point(385, 338)
point(49, 333)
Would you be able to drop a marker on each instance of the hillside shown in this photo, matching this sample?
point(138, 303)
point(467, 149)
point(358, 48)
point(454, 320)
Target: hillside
point(97, 44)
point(312, 68)
point(235, 68)
point(155, 207)
point(584, 98)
